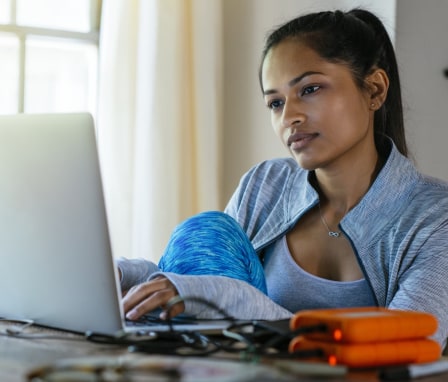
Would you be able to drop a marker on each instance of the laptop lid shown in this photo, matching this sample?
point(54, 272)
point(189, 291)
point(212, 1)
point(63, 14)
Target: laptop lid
point(57, 268)
point(57, 264)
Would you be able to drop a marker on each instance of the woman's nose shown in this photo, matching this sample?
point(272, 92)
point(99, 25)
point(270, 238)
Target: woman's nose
point(292, 114)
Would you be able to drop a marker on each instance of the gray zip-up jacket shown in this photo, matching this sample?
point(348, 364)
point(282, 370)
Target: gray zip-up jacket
point(399, 232)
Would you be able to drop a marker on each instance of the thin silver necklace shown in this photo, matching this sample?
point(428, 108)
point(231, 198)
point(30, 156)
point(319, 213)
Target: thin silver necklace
point(330, 232)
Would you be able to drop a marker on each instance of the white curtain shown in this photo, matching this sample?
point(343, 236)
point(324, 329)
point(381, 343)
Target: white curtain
point(159, 114)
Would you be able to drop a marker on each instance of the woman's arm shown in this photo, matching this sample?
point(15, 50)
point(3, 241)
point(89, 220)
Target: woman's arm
point(235, 297)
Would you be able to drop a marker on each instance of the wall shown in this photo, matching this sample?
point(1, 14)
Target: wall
point(248, 137)
point(422, 53)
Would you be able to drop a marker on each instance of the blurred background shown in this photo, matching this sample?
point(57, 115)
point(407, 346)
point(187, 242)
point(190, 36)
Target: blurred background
point(173, 88)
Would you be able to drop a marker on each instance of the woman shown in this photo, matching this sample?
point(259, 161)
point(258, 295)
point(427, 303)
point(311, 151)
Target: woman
point(348, 220)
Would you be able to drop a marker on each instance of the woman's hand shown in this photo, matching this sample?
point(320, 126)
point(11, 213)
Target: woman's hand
point(145, 297)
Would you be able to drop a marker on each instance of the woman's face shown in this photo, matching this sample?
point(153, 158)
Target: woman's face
point(317, 110)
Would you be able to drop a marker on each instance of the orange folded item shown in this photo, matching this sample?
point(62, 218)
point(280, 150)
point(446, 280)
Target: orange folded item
point(360, 325)
point(364, 355)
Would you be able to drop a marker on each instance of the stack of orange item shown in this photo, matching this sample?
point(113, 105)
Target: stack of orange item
point(367, 337)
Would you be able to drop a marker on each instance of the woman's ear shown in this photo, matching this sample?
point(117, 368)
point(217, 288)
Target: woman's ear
point(378, 85)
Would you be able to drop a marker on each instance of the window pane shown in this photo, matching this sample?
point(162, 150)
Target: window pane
point(9, 73)
point(71, 15)
point(4, 11)
point(60, 77)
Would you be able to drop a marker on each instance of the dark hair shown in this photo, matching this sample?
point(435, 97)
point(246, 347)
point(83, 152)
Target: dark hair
point(358, 39)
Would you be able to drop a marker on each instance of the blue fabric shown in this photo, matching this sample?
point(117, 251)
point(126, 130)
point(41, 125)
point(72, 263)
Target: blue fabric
point(213, 243)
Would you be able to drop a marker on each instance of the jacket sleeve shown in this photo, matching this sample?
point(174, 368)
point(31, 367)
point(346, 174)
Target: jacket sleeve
point(237, 298)
point(423, 286)
point(135, 271)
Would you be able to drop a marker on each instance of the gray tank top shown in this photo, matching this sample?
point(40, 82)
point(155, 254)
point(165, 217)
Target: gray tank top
point(295, 289)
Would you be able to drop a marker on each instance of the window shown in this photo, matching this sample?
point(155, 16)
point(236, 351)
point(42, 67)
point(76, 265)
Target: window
point(49, 55)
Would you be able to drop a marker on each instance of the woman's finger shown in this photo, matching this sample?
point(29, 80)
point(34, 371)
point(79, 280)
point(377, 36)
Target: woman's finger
point(148, 296)
point(150, 302)
point(141, 291)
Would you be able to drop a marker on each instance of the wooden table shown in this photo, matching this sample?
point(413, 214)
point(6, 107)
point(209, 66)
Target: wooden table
point(19, 356)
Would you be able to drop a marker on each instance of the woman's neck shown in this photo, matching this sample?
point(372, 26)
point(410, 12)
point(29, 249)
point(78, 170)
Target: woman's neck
point(341, 188)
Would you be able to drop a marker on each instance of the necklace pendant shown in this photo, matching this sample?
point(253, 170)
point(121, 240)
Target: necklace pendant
point(330, 232)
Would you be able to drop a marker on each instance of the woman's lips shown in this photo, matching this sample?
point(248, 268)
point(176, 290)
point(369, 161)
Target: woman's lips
point(298, 141)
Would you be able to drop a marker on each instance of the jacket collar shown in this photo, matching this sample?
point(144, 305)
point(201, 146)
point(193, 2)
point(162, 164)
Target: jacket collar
point(386, 196)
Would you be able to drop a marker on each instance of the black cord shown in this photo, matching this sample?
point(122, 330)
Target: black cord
point(269, 342)
point(251, 339)
point(200, 300)
point(254, 338)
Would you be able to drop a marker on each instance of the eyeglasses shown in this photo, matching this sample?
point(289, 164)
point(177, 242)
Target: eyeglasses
point(106, 370)
point(136, 368)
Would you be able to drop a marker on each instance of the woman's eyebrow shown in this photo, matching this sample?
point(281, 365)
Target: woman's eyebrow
point(293, 81)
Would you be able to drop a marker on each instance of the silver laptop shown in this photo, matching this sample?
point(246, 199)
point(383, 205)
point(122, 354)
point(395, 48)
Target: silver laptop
point(57, 267)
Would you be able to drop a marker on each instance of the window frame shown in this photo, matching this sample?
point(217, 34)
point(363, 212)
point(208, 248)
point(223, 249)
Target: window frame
point(23, 32)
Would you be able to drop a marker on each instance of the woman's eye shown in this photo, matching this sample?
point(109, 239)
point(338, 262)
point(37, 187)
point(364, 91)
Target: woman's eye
point(310, 89)
point(275, 104)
